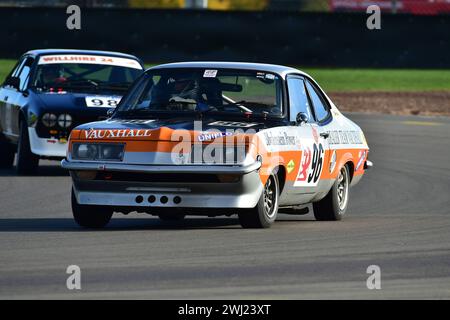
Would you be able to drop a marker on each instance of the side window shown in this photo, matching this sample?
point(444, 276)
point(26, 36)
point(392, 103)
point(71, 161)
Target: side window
point(139, 95)
point(298, 99)
point(320, 107)
point(16, 68)
point(24, 74)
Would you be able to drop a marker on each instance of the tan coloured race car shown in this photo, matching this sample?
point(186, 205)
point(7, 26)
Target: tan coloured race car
point(217, 138)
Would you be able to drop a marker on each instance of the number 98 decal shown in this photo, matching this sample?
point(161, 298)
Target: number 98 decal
point(311, 166)
point(102, 102)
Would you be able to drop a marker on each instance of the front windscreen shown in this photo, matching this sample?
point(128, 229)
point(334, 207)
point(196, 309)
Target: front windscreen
point(191, 90)
point(83, 75)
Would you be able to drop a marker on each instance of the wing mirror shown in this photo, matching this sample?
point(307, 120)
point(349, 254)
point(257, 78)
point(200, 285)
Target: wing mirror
point(110, 112)
point(301, 118)
point(13, 82)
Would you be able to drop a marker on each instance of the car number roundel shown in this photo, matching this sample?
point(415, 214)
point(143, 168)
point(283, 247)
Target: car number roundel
point(311, 165)
point(102, 101)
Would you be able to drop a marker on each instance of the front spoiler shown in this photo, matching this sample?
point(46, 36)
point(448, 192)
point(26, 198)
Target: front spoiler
point(200, 168)
point(191, 194)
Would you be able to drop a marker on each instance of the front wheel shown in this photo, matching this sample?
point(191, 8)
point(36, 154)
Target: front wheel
point(27, 161)
point(87, 216)
point(334, 205)
point(265, 212)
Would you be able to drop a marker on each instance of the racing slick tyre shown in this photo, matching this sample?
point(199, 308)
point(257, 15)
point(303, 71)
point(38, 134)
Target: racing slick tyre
point(27, 162)
point(170, 214)
point(6, 155)
point(94, 217)
point(334, 205)
point(265, 212)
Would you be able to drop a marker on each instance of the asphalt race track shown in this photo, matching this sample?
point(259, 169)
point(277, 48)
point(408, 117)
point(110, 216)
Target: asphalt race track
point(398, 219)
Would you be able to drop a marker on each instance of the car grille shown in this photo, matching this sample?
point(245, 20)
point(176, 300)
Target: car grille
point(156, 177)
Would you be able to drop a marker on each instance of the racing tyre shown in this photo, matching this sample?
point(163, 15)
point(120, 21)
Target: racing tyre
point(6, 155)
point(334, 205)
point(170, 215)
point(94, 217)
point(265, 212)
point(27, 162)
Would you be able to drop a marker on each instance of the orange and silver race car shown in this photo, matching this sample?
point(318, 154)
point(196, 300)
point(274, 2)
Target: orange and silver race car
point(217, 138)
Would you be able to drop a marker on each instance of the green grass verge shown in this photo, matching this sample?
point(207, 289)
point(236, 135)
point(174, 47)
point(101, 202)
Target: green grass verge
point(337, 79)
point(381, 79)
point(353, 79)
point(5, 68)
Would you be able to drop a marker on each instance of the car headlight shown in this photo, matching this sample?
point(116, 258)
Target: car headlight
point(49, 119)
point(98, 151)
point(65, 120)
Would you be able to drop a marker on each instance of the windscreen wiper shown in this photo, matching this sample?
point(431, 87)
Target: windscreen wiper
point(116, 85)
point(135, 112)
point(240, 104)
point(80, 82)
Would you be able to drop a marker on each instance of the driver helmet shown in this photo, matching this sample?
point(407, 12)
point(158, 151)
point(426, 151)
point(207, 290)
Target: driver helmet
point(51, 73)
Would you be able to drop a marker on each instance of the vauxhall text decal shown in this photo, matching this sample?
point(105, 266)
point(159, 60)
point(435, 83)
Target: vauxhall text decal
point(118, 133)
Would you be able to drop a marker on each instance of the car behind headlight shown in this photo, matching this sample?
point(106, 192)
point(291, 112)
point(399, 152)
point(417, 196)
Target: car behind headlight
point(64, 120)
point(98, 151)
point(49, 120)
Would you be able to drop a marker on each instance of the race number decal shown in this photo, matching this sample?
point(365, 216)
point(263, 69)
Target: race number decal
point(102, 102)
point(311, 166)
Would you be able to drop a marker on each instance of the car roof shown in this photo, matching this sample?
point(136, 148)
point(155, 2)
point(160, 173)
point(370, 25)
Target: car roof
point(40, 52)
point(278, 69)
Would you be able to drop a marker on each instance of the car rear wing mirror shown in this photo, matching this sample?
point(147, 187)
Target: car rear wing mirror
point(301, 118)
point(110, 112)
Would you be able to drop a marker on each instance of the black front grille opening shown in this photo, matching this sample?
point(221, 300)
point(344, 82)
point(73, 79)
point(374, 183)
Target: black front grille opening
point(139, 199)
point(177, 200)
point(164, 199)
point(156, 177)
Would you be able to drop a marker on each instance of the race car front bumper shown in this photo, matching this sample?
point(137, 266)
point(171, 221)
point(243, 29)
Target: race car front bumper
point(186, 188)
point(46, 147)
point(197, 168)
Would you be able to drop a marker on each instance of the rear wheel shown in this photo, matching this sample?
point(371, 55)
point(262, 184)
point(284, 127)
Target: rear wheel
point(87, 216)
point(265, 212)
point(27, 161)
point(334, 205)
point(6, 155)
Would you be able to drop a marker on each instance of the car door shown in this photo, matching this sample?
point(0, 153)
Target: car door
point(8, 98)
point(304, 182)
point(322, 127)
point(21, 94)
